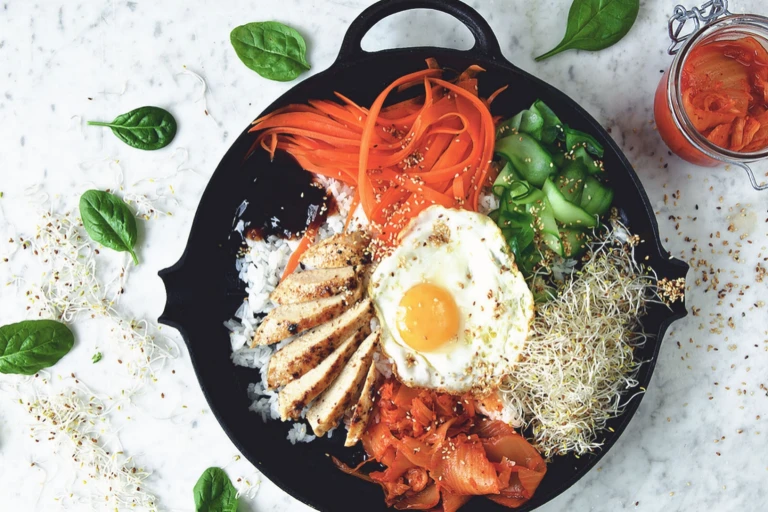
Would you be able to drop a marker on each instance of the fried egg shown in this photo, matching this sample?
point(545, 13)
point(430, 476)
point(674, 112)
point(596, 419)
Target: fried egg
point(453, 308)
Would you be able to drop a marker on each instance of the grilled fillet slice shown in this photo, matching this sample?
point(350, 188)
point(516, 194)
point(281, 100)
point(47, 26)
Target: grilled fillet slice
point(327, 410)
point(298, 393)
point(291, 319)
point(339, 250)
point(305, 352)
point(314, 284)
point(363, 408)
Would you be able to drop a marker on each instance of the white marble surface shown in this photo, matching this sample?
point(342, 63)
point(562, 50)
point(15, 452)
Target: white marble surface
point(698, 441)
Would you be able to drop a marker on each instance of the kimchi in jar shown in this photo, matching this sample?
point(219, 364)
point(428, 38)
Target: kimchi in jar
point(712, 104)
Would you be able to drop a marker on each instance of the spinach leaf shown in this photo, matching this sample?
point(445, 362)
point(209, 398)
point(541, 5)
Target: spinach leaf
point(97, 357)
point(271, 49)
point(28, 347)
point(596, 24)
point(214, 492)
point(109, 221)
point(147, 128)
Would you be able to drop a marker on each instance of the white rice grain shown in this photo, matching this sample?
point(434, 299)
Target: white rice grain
point(298, 434)
point(487, 202)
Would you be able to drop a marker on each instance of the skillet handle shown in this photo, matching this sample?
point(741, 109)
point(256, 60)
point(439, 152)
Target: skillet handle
point(176, 289)
point(485, 40)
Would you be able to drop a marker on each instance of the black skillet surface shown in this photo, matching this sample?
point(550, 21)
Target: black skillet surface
point(204, 291)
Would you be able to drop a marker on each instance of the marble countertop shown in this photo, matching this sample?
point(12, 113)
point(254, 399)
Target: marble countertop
point(698, 439)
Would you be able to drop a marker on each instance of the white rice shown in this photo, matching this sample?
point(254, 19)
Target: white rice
point(343, 196)
point(298, 434)
point(260, 268)
point(487, 203)
point(383, 364)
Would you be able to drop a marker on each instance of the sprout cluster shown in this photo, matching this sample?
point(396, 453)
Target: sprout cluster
point(579, 358)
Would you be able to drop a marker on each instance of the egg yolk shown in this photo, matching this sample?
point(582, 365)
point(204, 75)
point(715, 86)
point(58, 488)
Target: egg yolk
point(427, 317)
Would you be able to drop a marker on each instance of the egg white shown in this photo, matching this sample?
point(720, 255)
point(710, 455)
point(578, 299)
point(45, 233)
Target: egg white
point(465, 253)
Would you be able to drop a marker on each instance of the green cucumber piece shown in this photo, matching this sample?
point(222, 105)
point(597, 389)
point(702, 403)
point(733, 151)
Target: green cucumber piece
point(558, 157)
point(531, 160)
point(566, 212)
point(553, 242)
point(580, 155)
point(526, 121)
point(553, 126)
point(571, 181)
point(576, 138)
point(509, 179)
point(596, 198)
point(532, 124)
point(509, 126)
point(574, 242)
point(528, 259)
point(535, 195)
point(548, 225)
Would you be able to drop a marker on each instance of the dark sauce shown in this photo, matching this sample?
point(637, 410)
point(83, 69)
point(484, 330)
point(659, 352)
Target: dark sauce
point(282, 199)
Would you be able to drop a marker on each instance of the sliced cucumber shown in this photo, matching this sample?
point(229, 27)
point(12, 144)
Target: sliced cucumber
point(566, 212)
point(580, 155)
point(531, 160)
point(528, 259)
point(570, 182)
point(596, 198)
point(553, 126)
point(535, 195)
point(509, 179)
point(574, 242)
point(558, 157)
point(532, 123)
point(553, 242)
point(548, 226)
point(574, 138)
point(527, 121)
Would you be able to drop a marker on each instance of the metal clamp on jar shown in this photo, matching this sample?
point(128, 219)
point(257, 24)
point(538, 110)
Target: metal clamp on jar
point(711, 105)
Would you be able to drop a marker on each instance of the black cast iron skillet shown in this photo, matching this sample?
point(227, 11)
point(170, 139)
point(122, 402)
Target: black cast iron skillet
point(203, 288)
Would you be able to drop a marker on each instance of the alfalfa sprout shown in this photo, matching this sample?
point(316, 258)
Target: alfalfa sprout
point(579, 360)
point(76, 421)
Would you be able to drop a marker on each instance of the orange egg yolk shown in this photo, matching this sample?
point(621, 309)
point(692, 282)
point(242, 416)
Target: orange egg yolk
point(427, 317)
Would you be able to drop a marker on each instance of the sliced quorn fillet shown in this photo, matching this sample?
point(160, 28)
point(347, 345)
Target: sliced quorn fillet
point(292, 319)
point(305, 352)
point(363, 408)
point(314, 284)
point(341, 250)
point(298, 393)
point(327, 410)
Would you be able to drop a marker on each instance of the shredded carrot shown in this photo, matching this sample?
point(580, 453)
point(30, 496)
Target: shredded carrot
point(293, 262)
point(435, 148)
point(272, 146)
point(495, 94)
point(365, 188)
point(350, 103)
point(426, 439)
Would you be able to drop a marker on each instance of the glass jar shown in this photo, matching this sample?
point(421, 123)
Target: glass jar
point(672, 121)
